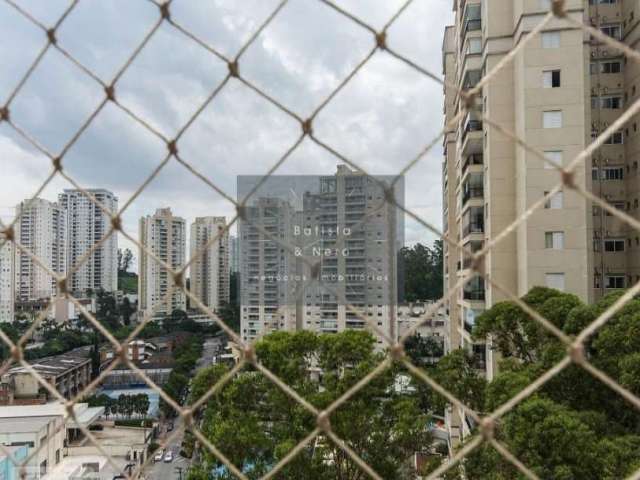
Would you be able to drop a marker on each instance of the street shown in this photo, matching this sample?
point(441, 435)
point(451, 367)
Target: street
point(169, 470)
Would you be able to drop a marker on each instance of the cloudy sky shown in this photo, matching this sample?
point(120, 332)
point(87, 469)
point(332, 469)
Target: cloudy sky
point(383, 118)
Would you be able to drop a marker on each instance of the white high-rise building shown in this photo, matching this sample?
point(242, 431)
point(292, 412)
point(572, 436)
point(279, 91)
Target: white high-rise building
point(87, 225)
point(42, 230)
point(7, 282)
point(165, 236)
point(210, 271)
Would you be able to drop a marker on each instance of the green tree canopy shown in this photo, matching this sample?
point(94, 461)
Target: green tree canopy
point(256, 424)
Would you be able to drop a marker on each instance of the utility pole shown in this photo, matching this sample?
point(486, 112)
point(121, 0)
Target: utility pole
point(179, 470)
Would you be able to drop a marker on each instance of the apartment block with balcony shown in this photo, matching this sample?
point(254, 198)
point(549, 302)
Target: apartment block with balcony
point(209, 272)
point(7, 281)
point(353, 236)
point(88, 224)
point(41, 230)
point(267, 270)
point(164, 235)
point(543, 96)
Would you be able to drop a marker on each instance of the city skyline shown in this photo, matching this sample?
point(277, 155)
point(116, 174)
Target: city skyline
point(223, 150)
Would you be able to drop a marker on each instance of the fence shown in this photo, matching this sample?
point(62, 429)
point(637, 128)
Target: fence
point(575, 346)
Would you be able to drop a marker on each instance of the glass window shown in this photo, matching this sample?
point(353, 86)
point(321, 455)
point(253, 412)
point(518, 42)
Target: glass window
point(552, 119)
point(613, 173)
point(551, 78)
point(611, 102)
point(612, 30)
point(474, 45)
point(550, 39)
point(610, 67)
point(555, 280)
point(616, 139)
point(614, 281)
point(556, 201)
point(614, 245)
point(554, 156)
point(554, 240)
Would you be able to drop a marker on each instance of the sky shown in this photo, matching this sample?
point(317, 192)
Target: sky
point(380, 120)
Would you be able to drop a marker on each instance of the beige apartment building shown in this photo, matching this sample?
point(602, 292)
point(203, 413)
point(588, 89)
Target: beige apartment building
point(210, 271)
point(164, 235)
point(560, 91)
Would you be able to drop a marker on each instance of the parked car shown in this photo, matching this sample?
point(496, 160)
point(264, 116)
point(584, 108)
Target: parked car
point(159, 455)
point(168, 457)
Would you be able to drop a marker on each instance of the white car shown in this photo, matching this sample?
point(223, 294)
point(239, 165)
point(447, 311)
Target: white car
point(159, 456)
point(168, 457)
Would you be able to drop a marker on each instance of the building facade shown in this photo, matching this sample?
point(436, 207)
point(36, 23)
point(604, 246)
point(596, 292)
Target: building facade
point(209, 272)
point(42, 230)
point(557, 94)
point(234, 254)
point(164, 235)
point(267, 300)
point(87, 225)
point(346, 229)
point(7, 281)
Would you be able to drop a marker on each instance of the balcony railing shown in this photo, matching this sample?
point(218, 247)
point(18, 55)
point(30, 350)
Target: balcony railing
point(474, 295)
point(472, 192)
point(476, 226)
point(471, 125)
point(475, 159)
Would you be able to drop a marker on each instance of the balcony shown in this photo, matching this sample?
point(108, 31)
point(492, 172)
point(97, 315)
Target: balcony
point(471, 124)
point(471, 192)
point(474, 290)
point(473, 159)
point(476, 226)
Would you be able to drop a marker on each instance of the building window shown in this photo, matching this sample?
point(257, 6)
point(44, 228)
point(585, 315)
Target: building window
point(554, 157)
point(552, 119)
point(612, 30)
point(610, 67)
point(550, 39)
point(613, 173)
point(551, 78)
point(611, 103)
point(616, 139)
point(614, 281)
point(555, 280)
point(554, 240)
point(614, 245)
point(474, 45)
point(556, 201)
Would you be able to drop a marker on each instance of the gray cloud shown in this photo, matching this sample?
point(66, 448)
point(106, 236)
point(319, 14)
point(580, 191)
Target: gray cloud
point(380, 120)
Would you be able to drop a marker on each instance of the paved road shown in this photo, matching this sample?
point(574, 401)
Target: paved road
point(209, 350)
point(168, 471)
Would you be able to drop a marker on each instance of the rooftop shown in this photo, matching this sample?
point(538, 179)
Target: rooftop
point(56, 365)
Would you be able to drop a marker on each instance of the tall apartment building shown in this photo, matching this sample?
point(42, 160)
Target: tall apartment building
point(267, 295)
point(165, 236)
point(209, 273)
point(7, 282)
point(42, 230)
point(356, 256)
point(559, 92)
point(87, 225)
point(351, 230)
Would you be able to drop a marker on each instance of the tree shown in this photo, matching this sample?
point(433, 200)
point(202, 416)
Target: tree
point(126, 311)
point(573, 427)
point(422, 267)
point(257, 424)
